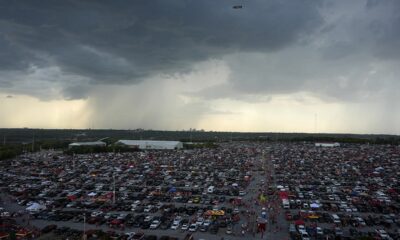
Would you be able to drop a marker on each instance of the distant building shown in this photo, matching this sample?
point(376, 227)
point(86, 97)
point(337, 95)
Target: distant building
point(87, 144)
point(327, 144)
point(149, 144)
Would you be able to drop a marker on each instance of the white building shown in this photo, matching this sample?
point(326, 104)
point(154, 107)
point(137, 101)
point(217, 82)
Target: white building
point(87, 144)
point(327, 144)
point(149, 144)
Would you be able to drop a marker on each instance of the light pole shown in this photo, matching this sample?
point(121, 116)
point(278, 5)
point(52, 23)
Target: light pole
point(113, 188)
point(84, 225)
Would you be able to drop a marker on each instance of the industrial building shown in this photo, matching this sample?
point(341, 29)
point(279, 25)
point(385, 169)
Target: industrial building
point(150, 144)
point(87, 144)
point(327, 144)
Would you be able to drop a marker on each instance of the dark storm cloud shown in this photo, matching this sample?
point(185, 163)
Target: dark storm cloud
point(122, 42)
point(353, 56)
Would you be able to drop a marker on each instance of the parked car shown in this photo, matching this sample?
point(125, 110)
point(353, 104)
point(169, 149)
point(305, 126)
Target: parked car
point(193, 227)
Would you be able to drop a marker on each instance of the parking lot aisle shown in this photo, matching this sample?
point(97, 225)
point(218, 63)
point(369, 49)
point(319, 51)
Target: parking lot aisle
point(254, 207)
point(278, 229)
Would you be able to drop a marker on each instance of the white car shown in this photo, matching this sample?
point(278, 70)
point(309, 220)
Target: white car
point(148, 218)
point(302, 228)
point(383, 234)
point(178, 219)
point(207, 222)
point(229, 230)
point(122, 216)
point(200, 221)
point(361, 221)
point(155, 224)
point(175, 225)
point(95, 214)
point(319, 231)
point(70, 205)
point(129, 235)
point(305, 236)
point(148, 208)
point(193, 227)
point(185, 227)
point(5, 214)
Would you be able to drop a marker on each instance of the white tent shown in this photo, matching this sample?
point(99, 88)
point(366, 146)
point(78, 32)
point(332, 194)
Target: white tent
point(151, 144)
point(87, 144)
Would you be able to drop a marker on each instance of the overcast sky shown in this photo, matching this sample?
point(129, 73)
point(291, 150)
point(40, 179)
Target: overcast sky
point(274, 65)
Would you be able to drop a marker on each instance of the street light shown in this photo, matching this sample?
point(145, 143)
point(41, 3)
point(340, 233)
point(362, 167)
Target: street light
point(113, 188)
point(84, 225)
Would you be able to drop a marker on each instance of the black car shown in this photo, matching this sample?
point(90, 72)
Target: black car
point(222, 224)
point(49, 228)
point(150, 237)
point(146, 225)
point(165, 225)
point(138, 236)
point(203, 228)
point(214, 229)
point(137, 224)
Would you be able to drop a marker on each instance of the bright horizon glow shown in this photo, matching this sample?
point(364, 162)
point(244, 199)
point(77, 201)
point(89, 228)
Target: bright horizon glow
point(24, 111)
point(282, 114)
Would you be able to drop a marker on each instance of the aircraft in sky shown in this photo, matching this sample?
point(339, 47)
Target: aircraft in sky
point(237, 7)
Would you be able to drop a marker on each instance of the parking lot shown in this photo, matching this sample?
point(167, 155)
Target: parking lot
point(237, 190)
point(348, 191)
